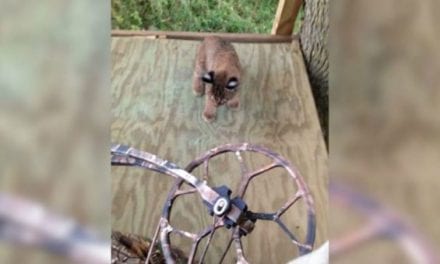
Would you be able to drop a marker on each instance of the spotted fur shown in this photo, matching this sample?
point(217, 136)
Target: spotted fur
point(217, 74)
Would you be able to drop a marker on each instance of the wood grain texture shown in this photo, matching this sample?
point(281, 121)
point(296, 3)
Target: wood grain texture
point(385, 122)
point(184, 35)
point(54, 116)
point(285, 17)
point(154, 110)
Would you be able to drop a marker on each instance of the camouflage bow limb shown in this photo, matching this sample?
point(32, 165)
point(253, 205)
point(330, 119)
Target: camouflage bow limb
point(228, 212)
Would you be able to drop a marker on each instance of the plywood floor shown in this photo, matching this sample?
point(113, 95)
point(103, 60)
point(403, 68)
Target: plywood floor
point(154, 109)
point(385, 129)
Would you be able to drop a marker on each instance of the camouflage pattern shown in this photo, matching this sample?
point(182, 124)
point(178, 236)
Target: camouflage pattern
point(244, 220)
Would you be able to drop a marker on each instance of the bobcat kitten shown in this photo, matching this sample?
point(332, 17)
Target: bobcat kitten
point(217, 73)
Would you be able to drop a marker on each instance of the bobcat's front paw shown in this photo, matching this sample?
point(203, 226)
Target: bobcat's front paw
point(198, 87)
point(197, 92)
point(208, 117)
point(233, 104)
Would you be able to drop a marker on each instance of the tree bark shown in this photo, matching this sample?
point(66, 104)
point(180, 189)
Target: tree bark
point(313, 39)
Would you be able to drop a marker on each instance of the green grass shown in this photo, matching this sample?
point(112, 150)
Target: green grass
point(250, 16)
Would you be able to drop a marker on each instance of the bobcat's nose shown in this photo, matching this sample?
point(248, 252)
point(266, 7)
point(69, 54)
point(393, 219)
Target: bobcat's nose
point(219, 94)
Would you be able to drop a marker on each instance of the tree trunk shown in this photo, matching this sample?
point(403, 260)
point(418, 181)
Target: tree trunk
point(313, 39)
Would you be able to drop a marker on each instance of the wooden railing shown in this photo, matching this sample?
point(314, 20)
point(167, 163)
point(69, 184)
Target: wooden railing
point(285, 17)
point(234, 37)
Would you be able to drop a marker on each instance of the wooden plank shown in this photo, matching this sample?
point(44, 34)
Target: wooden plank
point(233, 37)
point(154, 110)
point(385, 132)
point(285, 17)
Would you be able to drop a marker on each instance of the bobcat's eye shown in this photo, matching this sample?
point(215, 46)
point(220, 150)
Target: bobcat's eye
point(232, 84)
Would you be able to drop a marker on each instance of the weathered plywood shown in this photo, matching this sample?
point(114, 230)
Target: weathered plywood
point(154, 110)
point(385, 132)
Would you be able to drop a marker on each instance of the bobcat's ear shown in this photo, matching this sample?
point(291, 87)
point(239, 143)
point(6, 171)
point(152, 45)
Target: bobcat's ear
point(208, 77)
